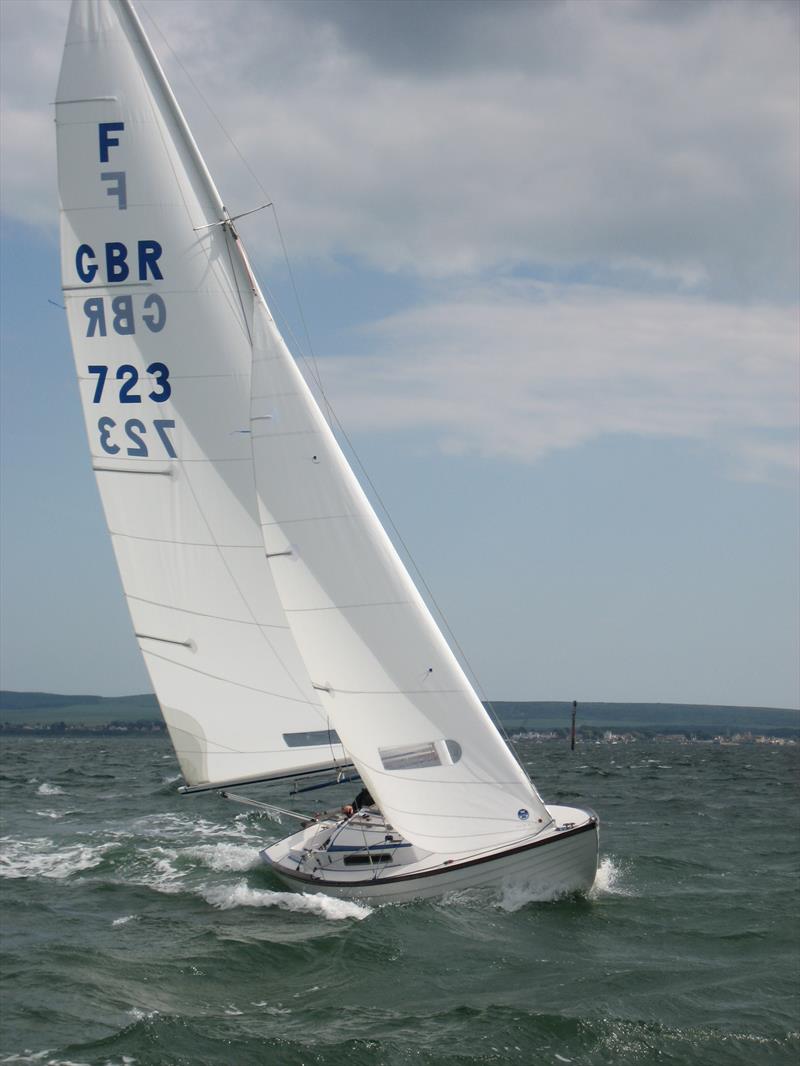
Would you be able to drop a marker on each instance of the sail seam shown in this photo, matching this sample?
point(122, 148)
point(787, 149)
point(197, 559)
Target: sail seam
point(187, 543)
point(288, 433)
point(205, 614)
point(336, 690)
point(154, 462)
point(311, 518)
point(347, 606)
point(230, 681)
point(121, 286)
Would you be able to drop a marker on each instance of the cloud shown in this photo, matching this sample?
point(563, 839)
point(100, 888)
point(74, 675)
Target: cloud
point(519, 370)
point(619, 139)
point(641, 157)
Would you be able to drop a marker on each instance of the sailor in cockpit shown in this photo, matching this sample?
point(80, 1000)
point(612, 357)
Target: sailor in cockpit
point(363, 799)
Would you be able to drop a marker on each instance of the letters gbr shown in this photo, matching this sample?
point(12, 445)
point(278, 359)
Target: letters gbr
point(123, 315)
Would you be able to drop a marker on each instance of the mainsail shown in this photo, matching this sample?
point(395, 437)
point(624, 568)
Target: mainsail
point(402, 705)
point(270, 605)
point(160, 310)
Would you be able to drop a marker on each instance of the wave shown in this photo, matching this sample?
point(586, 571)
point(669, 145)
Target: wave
point(167, 871)
point(41, 858)
point(225, 857)
point(610, 880)
point(241, 894)
point(49, 790)
point(41, 1057)
point(170, 824)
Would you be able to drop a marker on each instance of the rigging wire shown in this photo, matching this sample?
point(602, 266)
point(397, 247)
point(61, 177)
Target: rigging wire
point(332, 416)
point(316, 374)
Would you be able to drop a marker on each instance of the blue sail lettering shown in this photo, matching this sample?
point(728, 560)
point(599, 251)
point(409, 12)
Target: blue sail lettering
point(149, 254)
point(116, 261)
point(95, 311)
point(123, 314)
point(116, 257)
point(155, 321)
point(106, 142)
point(120, 189)
point(86, 271)
point(122, 306)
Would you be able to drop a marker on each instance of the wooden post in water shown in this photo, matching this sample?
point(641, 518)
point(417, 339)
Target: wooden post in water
point(572, 737)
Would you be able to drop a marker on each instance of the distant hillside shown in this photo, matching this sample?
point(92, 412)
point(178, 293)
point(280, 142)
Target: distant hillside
point(44, 708)
point(26, 710)
point(21, 701)
point(649, 717)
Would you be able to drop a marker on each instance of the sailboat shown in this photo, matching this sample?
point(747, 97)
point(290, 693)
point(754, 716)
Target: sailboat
point(282, 633)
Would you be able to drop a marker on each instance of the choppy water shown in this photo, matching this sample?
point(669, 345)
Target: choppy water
point(139, 927)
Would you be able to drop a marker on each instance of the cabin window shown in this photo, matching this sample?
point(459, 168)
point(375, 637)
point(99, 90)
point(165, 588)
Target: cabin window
point(312, 739)
point(360, 859)
point(417, 756)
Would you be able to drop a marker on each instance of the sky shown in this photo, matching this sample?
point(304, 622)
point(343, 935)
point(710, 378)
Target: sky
point(547, 262)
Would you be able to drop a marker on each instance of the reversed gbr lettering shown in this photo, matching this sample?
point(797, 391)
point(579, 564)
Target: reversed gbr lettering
point(120, 314)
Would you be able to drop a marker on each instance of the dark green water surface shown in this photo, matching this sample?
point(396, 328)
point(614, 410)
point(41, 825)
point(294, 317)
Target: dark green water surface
point(139, 927)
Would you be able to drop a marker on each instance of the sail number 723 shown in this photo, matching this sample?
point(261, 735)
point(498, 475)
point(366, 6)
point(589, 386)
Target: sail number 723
point(133, 434)
point(129, 377)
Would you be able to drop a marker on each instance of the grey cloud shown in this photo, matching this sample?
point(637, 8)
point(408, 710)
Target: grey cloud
point(520, 370)
point(437, 39)
point(619, 140)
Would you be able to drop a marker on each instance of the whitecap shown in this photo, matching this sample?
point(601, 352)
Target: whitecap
point(41, 1056)
point(40, 858)
point(27, 1056)
point(50, 814)
point(163, 875)
point(223, 857)
point(170, 824)
point(241, 894)
point(127, 918)
point(49, 790)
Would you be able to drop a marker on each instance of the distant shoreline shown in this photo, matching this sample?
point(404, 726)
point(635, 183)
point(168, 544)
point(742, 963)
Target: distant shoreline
point(56, 714)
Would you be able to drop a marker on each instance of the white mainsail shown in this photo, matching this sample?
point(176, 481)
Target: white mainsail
point(403, 707)
point(160, 310)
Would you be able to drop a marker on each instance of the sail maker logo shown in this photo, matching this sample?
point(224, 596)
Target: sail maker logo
point(138, 438)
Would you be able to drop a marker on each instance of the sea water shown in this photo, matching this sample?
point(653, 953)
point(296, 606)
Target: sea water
point(139, 926)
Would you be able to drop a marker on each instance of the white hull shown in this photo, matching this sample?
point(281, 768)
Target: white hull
point(562, 862)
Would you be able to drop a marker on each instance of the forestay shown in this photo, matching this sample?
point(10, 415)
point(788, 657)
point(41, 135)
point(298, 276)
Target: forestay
point(401, 703)
point(160, 312)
